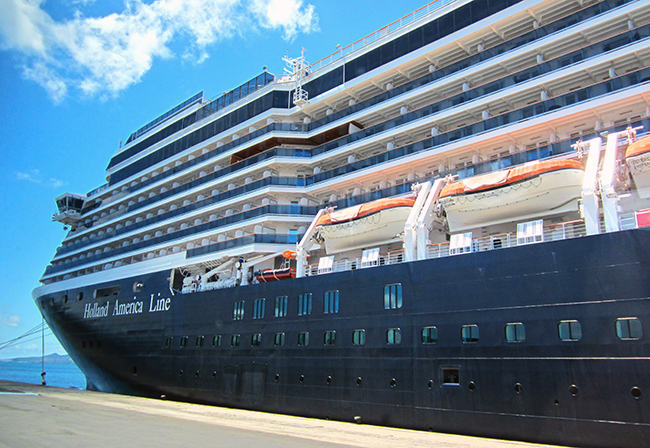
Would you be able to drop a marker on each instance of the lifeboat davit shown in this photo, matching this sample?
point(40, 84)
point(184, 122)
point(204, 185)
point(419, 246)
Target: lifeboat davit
point(363, 225)
point(272, 275)
point(637, 158)
point(531, 190)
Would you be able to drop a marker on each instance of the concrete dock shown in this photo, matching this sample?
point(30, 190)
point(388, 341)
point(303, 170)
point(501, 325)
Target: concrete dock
point(32, 415)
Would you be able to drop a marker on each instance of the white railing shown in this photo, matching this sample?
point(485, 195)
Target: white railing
point(379, 34)
point(553, 232)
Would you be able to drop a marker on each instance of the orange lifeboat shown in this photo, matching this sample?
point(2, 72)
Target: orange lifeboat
point(272, 275)
point(637, 158)
point(372, 223)
point(531, 190)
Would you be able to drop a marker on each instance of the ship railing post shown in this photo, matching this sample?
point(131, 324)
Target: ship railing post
point(589, 196)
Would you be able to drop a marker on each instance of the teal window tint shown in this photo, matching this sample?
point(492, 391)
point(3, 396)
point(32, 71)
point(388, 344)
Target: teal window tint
point(330, 338)
point(304, 304)
point(258, 308)
point(184, 341)
point(359, 337)
point(393, 296)
point(168, 342)
point(394, 336)
point(515, 332)
point(469, 333)
point(216, 341)
point(629, 328)
point(569, 330)
point(234, 340)
point(281, 306)
point(429, 335)
point(279, 339)
point(303, 339)
point(331, 302)
point(256, 340)
point(199, 341)
point(238, 310)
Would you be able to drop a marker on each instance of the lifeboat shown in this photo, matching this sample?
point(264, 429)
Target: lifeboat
point(637, 158)
point(272, 275)
point(527, 191)
point(363, 225)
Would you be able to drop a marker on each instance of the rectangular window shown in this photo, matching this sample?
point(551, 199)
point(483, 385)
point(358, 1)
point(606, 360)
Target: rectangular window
point(393, 296)
point(199, 341)
point(168, 342)
point(281, 306)
point(216, 341)
point(304, 304)
point(469, 333)
point(303, 339)
point(394, 336)
point(234, 340)
point(359, 337)
point(429, 335)
point(569, 330)
point(258, 308)
point(629, 328)
point(450, 376)
point(238, 310)
point(515, 332)
point(256, 340)
point(330, 338)
point(279, 339)
point(331, 302)
point(184, 341)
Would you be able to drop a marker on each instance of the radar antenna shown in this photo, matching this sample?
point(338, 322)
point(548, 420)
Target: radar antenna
point(297, 70)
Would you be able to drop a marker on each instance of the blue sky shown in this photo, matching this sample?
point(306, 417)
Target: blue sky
point(78, 76)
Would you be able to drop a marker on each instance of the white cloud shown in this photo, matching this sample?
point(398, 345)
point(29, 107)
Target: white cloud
point(287, 14)
point(105, 55)
point(10, 321)
point(35, 177)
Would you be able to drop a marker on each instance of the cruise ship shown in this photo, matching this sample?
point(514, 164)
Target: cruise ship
point(443, 226)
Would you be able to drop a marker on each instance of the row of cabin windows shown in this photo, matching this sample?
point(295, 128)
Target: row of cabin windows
point(628, 328)
point(392, 300)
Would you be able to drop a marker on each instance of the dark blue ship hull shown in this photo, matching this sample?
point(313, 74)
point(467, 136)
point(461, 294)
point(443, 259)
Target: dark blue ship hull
point(587, 390)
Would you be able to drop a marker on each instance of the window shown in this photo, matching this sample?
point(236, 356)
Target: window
point(515, 332)
point(279, 339)
point(393, 296)
point(429, 335)
point(330, 338)
point(199, 341)
point(331, 302)
point(216, 341)
point(569, 330)
point(238, 310)
point(281, 306)
point(629, 328)
point(258, 308)
point(359, 337)
point(394, 336)
point(256, 340)
point(450, 376)
point(234, 340)
point(469, 333)
point(303, 339)
point(304, 304)
point(184, 341)
point(168, 342)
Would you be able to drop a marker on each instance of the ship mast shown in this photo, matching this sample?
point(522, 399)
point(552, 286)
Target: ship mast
point(297, 70)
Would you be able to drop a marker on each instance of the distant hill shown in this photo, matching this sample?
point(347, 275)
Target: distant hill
point(53, 358)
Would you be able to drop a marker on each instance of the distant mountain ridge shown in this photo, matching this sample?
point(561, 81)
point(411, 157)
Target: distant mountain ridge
point(53, 358)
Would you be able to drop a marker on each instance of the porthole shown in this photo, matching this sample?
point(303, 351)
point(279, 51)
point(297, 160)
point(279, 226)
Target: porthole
point(393, 382)
point(277, 377)
point(636, 392)
point(328, 380)
point(573, 390)
point(302, 379)
point(471, 386)
point(196, 374)
point(180, 372)
point(430, 384)
point(359, 381)
point(137, 286)
point(519, 388)
point(214, 374)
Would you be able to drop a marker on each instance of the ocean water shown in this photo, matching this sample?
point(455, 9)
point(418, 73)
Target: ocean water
point(59, 375)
